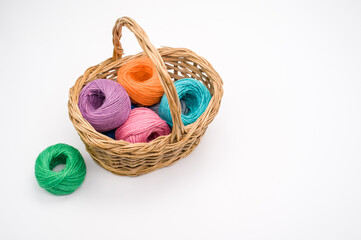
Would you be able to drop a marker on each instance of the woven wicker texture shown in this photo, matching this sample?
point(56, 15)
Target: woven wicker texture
point(172, 64)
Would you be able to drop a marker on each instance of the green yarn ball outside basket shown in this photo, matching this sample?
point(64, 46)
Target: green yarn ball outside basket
point(68, 179)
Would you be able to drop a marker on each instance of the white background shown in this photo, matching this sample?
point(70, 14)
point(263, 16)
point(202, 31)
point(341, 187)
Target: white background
point(280, 161)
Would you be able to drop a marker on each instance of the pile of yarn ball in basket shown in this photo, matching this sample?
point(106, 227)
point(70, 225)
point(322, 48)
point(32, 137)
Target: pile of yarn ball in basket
point(134, 108)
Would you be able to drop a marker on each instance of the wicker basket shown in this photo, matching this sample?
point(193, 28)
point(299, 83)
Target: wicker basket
point(172, 64)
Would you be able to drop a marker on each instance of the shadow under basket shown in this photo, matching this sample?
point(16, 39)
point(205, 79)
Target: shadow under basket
point(172, 64)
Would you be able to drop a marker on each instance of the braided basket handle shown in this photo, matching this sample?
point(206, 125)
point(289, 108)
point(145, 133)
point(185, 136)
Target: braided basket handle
point(153, 54)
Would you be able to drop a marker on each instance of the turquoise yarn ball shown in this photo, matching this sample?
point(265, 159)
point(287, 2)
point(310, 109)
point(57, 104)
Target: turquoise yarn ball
point(195, 97)
point(68, 179)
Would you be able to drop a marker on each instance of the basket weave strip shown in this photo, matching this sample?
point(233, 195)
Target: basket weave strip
point(172, 64)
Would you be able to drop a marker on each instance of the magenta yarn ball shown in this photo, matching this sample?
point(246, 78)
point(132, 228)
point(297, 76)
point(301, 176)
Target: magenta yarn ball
point(104, 104)
point(143, 125)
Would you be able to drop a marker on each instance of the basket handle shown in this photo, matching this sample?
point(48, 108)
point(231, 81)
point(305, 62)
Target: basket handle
point(153, 54)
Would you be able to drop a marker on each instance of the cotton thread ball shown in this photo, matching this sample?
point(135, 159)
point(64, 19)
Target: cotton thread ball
point(194, 94)
point(104, 104)
point(68, 179)
point(141, 81)
point(110, 133)
point(155, 107)
point(142, 125)
point(184, 108)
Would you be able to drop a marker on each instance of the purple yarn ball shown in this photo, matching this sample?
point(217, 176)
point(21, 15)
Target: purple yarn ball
point(104, 104)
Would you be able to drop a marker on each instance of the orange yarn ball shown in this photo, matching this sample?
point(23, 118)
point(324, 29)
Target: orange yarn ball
point(140, 79)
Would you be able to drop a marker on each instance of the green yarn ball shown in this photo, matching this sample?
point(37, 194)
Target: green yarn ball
point(68, 179)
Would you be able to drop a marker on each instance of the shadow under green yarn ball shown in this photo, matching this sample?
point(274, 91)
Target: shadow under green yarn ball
point(68, 179)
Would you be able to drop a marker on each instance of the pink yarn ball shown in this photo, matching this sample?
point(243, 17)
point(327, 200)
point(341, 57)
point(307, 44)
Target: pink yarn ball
point(142, 125)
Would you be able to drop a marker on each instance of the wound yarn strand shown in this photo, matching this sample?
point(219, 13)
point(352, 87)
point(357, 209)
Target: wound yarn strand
point(141, 81)
point(142, 125)
point(68, 179)
point(184, 109)
point(104, 104)
point(195, 96)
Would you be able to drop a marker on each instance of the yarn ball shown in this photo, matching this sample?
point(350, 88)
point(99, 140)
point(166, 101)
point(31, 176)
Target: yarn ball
point(184, 108)
point(141, 81)
point(110, 133)
point(142, 125)
point(194, 94)
point(68, 179)
point(155, 107)
point(104, 104)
